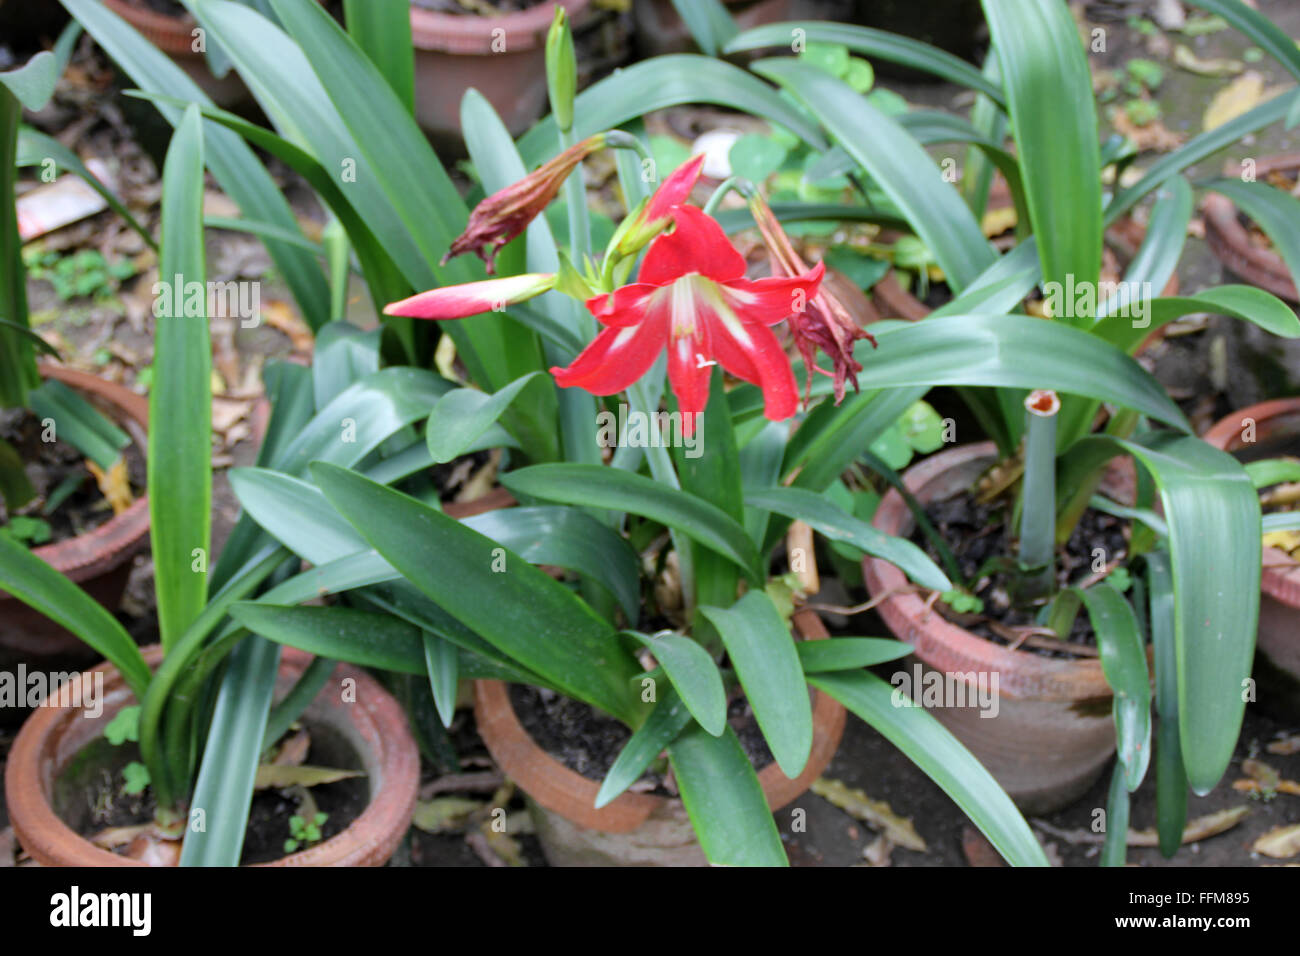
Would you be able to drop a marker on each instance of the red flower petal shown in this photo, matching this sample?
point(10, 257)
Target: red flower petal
point(696, 244)
point(624, 306)
point(674, 190)
point(772, 299)
point(616, 357)
point(688, 377)
point(751, 351)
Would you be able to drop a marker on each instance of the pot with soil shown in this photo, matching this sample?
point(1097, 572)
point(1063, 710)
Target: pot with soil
point(503, 57)
point(60, 755)
point(168, 26)
point(1238, 243)
point(645, 826)
point(1051, 733)
point(1268, 430)
point(93, 547)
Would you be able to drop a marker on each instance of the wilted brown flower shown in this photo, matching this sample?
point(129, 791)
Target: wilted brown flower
point(825, 323)
point(506, 213)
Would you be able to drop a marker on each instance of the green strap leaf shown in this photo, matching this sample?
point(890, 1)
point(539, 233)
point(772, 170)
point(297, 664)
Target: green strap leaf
point(1124, 662)
point(879, 44)
point(1240, 301)
point(521, 610)
point(659, 83)
point(463, 414)
point(761, 650)
point(694, 675)
point(78, 422)
point(848, 653)
point(724, 800)
point(838, 525)
point(1171, 777)
point(1044, 65)
point(343, 356)
point(1212, 509)
point(942, 758)
point(597, 486)
point(669, 717)
point(896, 163)
point(180, 401)
point(382, 28)
point(32, 84)
point(32, 581)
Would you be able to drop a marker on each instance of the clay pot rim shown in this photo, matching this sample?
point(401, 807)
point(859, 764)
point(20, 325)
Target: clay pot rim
point(1230, 242)
point(1280, 579)
point(1022, 674)
point(171, 33)
point(105, 547)
point(561, 790)
point(469, 34)
point(371, 831)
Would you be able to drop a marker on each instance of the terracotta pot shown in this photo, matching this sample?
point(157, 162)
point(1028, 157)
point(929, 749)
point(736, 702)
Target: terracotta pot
point(636, 829)
point(174, 35)
point(99, 560)
point(374, 725)
point(1277, 646)
point(1053, 734)
point(1231, 243)
point(504, 58)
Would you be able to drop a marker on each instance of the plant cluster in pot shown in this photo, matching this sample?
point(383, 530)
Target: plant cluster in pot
point(57, 425)
point(1264, 436)
point(1014, 520)
point(137, 715)
point(667, 619)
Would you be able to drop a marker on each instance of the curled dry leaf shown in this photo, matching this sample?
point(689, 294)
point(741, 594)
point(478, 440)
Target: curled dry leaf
point(1279, 842)
point(275, 776)
point(875, 813)
point(1285, 745)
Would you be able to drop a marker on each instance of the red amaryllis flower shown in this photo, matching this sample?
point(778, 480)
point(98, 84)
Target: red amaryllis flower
point(693, 297)
point(506, 213)
point(826, 324)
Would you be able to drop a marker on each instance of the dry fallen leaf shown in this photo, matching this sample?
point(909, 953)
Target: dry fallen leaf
point(1279, 842)
point(1241, 95)
point(875, 813)
point(443, 814)
point(877, 851)
point(1289, 744)
point(276, 777)
point(1214, 66)
point(1152, 136)
point(113, 484)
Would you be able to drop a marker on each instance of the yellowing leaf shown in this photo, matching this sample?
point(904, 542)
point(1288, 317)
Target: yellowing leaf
point(1240, 96)
point(278, 776)
point(1279, 842)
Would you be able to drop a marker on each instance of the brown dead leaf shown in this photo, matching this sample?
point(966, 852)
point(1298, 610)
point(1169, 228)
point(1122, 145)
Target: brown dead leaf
point(1153, 136)
point(277, 777)
point(1286, 745)
point(1279, 842)
point(978, 850)
point(280, 316)
point(878, 851)
point(875, 813)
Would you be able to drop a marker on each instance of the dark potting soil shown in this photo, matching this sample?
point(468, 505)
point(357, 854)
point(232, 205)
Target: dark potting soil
point(482, 8)
point(977, 533)
point(48, 465)
point(89, 797)
point(588, 742)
